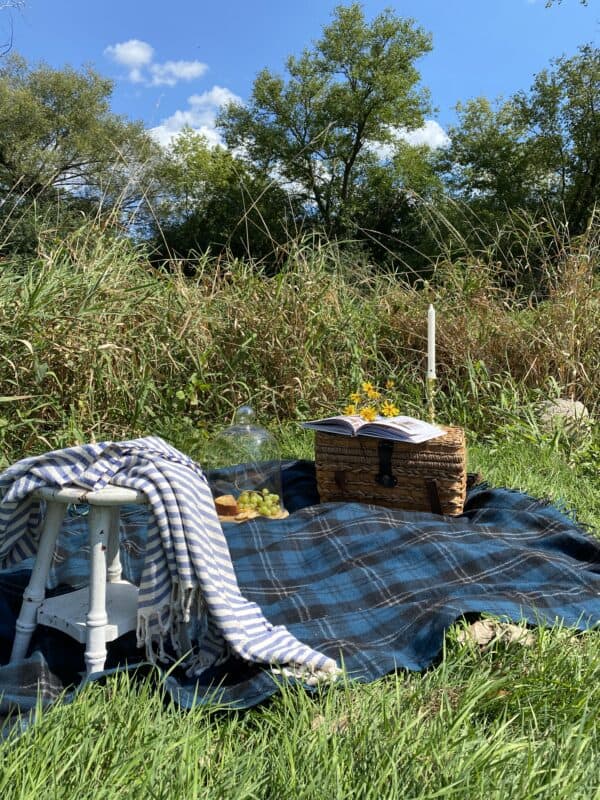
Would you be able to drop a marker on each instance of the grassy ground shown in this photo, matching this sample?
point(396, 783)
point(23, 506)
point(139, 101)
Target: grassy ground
point(513, 721)
point(508, 721)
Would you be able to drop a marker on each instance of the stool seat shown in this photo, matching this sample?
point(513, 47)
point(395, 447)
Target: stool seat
point(102, 612)
point(108, 496)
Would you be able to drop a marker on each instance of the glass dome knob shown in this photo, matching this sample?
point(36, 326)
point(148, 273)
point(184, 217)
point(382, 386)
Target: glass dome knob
point(244, 415)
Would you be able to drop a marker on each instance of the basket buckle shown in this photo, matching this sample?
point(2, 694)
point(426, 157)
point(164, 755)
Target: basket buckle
point(385, 476)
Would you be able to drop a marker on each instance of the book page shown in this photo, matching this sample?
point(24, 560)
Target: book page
point(406, 429)
point(400, 428)
point(348, 424)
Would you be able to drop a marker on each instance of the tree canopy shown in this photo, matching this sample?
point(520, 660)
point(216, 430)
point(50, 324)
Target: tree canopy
point(319, 129)
point(538, 150)
point(57, 130)
point(59, 140)
point(206, 199)
point(324, 146)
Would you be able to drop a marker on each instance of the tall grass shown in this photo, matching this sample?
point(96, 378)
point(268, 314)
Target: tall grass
point(95, 343)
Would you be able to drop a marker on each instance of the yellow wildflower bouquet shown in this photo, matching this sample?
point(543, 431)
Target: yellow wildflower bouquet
point(369, 403)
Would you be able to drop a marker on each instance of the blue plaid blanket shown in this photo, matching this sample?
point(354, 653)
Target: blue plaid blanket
point(371, 587)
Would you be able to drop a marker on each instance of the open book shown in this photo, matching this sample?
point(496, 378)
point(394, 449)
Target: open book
point(400, 429)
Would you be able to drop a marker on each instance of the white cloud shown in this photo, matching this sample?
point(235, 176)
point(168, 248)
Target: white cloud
point(170, 72)
point(133, 54)
point(217, 96)
point(138, 57)
point(431, 134)
point(200, 116)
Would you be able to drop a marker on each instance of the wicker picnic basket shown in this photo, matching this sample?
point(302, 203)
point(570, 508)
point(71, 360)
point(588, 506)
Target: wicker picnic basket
point(431, 476)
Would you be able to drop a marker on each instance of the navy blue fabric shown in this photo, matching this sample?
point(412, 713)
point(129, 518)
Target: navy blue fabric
point(372, 587)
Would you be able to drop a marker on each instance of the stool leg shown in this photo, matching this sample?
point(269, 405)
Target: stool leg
point(36, 589)
point(97, 618)
point(114, 558)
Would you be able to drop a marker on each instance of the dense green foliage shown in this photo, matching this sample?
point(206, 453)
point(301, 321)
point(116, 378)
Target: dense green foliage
point(538, 151)
point(319, 129)
point(211, 201)
point(97, 343)
point(63, 152)
point(321, 150)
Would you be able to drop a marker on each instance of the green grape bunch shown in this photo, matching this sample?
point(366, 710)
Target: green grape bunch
point(264, 502)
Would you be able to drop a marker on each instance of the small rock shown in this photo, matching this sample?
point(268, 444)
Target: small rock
point(571, 415)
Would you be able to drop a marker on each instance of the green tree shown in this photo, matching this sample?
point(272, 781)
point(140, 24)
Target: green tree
point(209, 200)
point(561, 114)
point(487, 162)
point(59, 141)
point(540, 150)
point(391, 207)
point(317, 129)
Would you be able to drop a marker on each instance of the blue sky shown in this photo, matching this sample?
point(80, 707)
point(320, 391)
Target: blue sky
point(174, 63)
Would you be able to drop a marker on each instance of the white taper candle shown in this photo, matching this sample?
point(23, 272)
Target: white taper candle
point(431, 342)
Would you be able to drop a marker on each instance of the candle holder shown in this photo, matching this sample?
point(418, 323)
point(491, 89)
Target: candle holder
point(431, 399)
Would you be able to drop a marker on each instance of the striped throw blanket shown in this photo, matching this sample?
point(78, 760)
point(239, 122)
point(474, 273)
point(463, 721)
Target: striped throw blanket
point(189, 594)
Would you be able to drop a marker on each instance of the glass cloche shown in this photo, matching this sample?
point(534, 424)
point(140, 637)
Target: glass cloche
point(246, 466)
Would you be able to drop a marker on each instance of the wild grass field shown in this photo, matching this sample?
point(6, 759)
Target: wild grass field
point(96, 344)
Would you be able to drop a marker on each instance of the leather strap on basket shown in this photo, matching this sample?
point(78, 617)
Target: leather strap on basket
point(434, 496)
point(339, 476)
point(385, 477)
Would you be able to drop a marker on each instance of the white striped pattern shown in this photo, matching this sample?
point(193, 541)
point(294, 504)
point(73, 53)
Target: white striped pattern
point(188, 591)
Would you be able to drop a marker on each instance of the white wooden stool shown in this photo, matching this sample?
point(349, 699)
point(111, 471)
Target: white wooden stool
point(96, 615)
